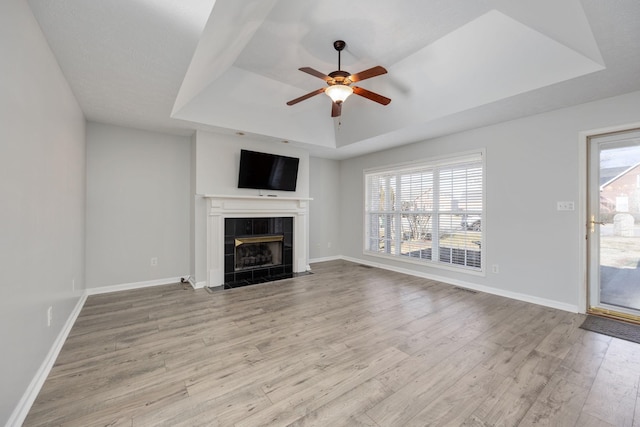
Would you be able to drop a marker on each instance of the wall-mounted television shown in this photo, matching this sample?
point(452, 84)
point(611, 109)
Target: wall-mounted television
point(266, 171)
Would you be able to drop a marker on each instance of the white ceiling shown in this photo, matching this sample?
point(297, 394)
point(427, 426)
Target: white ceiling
point(231, 65)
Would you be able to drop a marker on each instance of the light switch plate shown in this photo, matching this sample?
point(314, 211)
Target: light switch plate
point(566, 206)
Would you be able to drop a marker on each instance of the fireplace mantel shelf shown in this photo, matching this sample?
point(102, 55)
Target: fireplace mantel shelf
point(223, 196)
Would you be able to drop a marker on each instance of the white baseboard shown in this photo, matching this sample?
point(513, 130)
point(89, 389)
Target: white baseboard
point(325, 259)
point(134, 285)
point(197, 285)
point(468, 285)
point(24, 405)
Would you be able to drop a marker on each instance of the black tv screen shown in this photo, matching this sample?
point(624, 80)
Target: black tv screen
point(265, 171)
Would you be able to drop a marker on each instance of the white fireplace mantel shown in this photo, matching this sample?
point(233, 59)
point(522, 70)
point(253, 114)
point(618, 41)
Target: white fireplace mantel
point(220, 207)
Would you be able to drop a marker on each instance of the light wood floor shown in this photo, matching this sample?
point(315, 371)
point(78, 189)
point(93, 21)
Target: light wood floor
point(346, 346)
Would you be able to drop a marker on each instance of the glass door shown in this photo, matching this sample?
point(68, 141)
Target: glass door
point(613, 224)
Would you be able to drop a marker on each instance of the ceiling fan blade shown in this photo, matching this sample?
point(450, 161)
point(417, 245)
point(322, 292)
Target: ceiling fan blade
point(371, 95)
point(307, 96)
point(336, 109)
point(367, 74)
point(315, 73)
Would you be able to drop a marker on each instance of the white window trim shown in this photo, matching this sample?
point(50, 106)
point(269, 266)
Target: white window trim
point(437, 161)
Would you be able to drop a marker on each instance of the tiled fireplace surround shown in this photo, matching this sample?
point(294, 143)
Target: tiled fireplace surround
point(257, 250)
point(253, 210)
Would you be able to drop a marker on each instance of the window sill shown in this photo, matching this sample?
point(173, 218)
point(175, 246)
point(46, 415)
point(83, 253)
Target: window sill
point(428, 263)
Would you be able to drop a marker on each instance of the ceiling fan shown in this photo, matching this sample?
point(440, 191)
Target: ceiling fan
point(339, 83)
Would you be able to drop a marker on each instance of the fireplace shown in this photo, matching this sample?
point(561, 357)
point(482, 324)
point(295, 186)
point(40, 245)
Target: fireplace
point(257, 250)
point(219, 253)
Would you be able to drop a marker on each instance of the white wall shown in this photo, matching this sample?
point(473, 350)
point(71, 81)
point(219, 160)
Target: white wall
point(138, 205)
point(531, 164)
point(217, 159)
point(324, 209)
point(42, 169)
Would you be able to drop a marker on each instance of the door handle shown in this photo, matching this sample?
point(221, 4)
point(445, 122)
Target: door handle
point(593, 223)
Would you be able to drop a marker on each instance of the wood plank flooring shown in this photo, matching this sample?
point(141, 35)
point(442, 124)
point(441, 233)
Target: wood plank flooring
point(345, 346)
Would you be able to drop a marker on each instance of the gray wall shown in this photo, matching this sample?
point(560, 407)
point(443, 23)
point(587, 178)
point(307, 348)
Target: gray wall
point(531, 164)
point(218, 160)
point(138, 205)
point(196, 205)
point(42, 188)
point(324, 209)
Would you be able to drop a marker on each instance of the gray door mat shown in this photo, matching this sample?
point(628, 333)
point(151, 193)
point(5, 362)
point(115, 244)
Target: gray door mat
point(613, 328)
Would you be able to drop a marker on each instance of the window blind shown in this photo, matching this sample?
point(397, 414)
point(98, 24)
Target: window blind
point(430, 212)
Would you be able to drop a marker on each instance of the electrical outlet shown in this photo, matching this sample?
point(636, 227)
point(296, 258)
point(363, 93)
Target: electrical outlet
point(495, 268)
point(154, 261)
point(49, 315)
point(328, 244)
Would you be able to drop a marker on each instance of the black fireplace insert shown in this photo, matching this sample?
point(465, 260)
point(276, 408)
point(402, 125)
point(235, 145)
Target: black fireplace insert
point(257, 250)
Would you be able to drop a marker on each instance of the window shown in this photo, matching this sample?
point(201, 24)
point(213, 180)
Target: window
point(430, 212)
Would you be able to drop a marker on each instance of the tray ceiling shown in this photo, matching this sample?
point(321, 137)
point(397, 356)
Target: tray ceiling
point(453, 65)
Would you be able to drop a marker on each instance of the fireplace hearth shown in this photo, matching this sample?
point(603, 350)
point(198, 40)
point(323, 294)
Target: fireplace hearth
point(257, 250)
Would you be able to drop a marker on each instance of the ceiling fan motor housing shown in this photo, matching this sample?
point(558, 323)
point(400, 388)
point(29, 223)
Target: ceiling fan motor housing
point(339, 78)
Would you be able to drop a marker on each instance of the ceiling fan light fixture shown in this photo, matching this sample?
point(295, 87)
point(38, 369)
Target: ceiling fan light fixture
point(338, 92)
